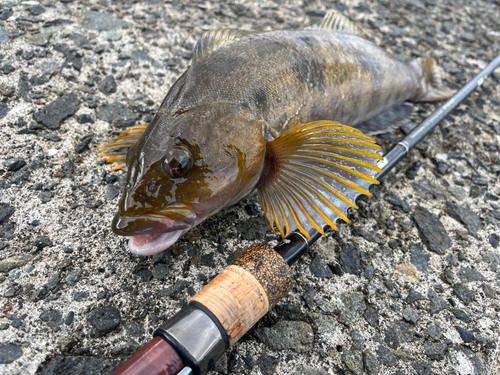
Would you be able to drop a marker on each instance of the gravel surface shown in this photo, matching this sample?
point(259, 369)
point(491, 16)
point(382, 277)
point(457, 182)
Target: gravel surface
point(410, 287)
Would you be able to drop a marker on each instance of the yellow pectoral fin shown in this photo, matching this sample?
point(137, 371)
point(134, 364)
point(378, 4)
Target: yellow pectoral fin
point(315, 173)
point(116, 150)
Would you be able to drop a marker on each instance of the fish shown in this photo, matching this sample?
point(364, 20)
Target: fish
point(283, 113)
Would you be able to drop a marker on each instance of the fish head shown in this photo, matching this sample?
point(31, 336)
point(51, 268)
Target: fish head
point(184, 168)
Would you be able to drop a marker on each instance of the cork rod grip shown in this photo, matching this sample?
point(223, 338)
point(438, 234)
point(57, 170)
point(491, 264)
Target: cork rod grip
point(246, 290)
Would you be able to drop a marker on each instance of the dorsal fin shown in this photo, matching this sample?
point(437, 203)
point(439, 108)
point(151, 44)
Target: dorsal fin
point(213, 39)
point(336, 21)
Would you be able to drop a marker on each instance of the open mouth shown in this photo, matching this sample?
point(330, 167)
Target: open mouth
point(154, 232)
point(150, 244)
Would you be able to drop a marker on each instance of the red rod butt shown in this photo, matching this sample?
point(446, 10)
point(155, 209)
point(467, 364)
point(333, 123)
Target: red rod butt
point(157, 357)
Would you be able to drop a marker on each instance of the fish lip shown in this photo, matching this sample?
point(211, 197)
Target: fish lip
point(143, 246)
point(158, 222)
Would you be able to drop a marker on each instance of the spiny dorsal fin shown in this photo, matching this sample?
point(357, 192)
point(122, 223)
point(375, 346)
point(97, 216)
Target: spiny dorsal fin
point(314, 174)
point(117, 149)
point(213, 39)
point(337, 22)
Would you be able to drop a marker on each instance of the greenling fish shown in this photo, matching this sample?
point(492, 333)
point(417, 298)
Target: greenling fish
point(280, 112)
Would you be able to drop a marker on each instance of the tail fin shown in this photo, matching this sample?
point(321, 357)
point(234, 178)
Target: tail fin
point(432, 89)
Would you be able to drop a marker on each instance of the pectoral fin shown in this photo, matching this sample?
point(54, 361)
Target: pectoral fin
point(313, 175)
point(116, 150)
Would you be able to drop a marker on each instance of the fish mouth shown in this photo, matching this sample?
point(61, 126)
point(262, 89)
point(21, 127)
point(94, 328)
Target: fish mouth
point(151, 233)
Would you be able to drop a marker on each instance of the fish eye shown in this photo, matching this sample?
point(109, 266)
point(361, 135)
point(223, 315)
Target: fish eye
point(177, 162)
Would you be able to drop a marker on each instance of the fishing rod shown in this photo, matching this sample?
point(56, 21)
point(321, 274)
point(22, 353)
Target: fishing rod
point(224, 310)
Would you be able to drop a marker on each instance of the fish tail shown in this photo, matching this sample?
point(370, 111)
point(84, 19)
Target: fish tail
point(431, 88)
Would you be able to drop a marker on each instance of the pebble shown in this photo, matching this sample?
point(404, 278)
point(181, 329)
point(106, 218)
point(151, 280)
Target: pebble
point(464, 216)
point(68, 167)
point(435, 351)
point(309, 296)
point(319, 268)
point(161, 270)
point(437, 304)
point(43, 242)
point(468, 275)
point(108, 85)
point(53, 318)
point(134, 329)
point(252, 209)
point(73, 278)
point(97, 21)
point(422, 368)
point(371, 363)
point(428, 190)
point(84, 144)
point(458, 193)
point(4, 326)
point(53, 280)
point(353, 361)
point(295, 335)
point(467, 336)
point(442, 168)
point(16, 323)
point(461, 315)
point(420, 260)
point(103, 320)
point(349, 259)
point(14, 164)
point(54, 113)
point(371, 316)
point(494, 239)
point(393, 199)
point(431, 231)
point(4, 110)
point(480, 181)
point(117, 114)
point(434, 331)
point(112, 191)
point(8, 264)
point(398, 333)
point(80, 296)
point(36, 10)
point(385, 356)
point(69, 318)
point(45, 196)
point(145, 275)
point(410, 315)
point(467, 37)
point(353, 304)
point(412, 170)
point(463, 293)
point(6, 211)
point(267, 364)
point(9, 353)
point(85, 119)
point(50, 137)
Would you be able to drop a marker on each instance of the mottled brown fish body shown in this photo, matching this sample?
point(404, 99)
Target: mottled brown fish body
point(292, 77)
point(243, 116)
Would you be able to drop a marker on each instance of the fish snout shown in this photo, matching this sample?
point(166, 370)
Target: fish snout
point(168, 220)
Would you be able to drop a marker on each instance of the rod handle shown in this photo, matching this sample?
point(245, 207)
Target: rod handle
point(246, 290)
